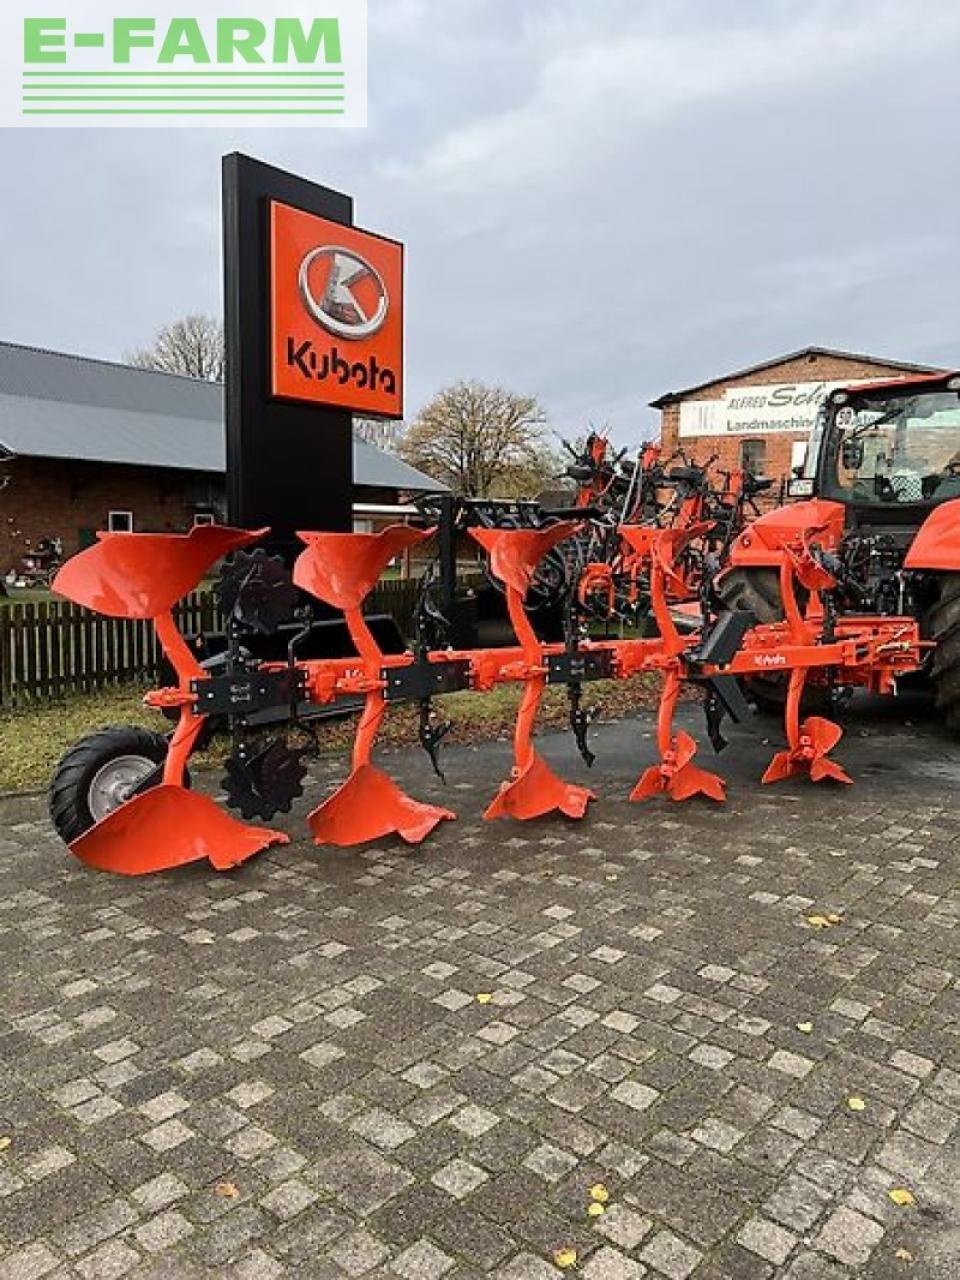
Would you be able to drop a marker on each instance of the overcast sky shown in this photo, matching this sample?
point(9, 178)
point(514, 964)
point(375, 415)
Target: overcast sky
point(601, 201)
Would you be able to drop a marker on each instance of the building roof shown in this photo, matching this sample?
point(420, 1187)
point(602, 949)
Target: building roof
point(671, 397)
point(55, 405)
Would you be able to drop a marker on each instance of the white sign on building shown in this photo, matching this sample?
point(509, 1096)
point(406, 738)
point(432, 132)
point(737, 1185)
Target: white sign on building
point(771, 408)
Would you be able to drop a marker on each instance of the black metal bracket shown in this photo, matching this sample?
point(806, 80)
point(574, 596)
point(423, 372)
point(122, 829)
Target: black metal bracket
point(562, 668)
point(422, 679)
point(723, 642)
point(246, 693)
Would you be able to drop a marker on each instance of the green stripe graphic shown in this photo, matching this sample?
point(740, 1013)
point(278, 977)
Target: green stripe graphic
point(184, 97)
point(183, 111)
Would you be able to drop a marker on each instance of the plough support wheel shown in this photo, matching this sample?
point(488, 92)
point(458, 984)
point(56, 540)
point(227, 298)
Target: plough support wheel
point(166, 827)
point(369, 806)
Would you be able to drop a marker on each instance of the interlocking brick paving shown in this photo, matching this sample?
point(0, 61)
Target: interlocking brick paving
point(286, 1070)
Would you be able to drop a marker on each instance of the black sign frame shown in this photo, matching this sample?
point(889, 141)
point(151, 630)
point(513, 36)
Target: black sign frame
point(289, 463)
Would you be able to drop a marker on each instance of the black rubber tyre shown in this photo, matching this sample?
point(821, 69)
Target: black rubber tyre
point(78, 797)
point(758, 590)
point(942, 624)
point(752, 589)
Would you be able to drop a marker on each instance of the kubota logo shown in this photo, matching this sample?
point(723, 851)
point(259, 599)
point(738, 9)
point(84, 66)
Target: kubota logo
point(770, 660)
point(336, 296)
point(354, 302)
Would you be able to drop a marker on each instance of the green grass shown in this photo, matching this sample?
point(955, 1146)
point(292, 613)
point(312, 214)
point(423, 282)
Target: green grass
point(23, 595)
point(33, 740)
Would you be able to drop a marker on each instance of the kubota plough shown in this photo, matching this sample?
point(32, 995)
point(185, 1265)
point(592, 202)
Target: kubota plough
point(154, 821)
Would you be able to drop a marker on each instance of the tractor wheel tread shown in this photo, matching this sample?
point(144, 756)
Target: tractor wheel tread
point(758, 591)
point(942, 625)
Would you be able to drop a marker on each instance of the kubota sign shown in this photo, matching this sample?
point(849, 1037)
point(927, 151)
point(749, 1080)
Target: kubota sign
point(336, 297)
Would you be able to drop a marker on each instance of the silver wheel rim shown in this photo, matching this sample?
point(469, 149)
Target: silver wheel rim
point(115, 782)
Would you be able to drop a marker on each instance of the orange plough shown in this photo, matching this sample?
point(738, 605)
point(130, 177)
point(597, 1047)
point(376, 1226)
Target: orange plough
point(157, 823)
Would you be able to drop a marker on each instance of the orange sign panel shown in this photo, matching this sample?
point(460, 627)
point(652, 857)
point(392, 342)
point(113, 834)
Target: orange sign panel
point(336, 297)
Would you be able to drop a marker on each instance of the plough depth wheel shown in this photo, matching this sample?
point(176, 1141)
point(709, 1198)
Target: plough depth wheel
point(101, 772)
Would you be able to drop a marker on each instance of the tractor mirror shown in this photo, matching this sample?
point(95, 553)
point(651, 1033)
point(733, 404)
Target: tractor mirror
point(851, 454)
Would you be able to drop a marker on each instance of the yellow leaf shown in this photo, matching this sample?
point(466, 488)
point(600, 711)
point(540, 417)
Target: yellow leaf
point(565, 1259)
point(229, 1190)
point(904, 1255)
point(805, 1027)
point(5, 1142)
point(856, 1104)
point(818, 922)
point(834, 917)
point(900, 1195)
point(594, 1209)
point(599, 1193)
point(484, 997)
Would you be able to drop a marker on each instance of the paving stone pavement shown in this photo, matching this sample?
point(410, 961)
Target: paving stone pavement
point(287, 1070)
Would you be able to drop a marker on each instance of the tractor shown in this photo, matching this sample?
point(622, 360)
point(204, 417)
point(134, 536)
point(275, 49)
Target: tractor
point(880, 508)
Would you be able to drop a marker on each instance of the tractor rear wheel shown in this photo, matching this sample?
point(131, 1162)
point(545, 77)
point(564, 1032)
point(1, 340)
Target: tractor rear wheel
point(99, 773)
point(942, 624)
point(758, 591)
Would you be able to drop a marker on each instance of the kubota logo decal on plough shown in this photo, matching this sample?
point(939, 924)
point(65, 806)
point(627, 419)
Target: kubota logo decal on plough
point(163, 824)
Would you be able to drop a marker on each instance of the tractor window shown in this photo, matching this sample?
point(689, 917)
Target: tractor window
point(897, 449)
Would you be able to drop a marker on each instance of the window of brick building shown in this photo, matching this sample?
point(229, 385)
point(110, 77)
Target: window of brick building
point(753, 456)
point(204, 517)
point(120, 521)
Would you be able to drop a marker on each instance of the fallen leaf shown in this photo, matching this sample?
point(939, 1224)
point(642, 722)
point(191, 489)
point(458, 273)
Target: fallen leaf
point(565, 1259)
point(805, 1027)
point(904, 1255)
point(835, 917)
point(818, 922)
point(5, 1142)
point(594, 1209)
point(856, 1104)
point(229, 1190)
point(484, 997)
point(599, 1193)
point(900, 1195)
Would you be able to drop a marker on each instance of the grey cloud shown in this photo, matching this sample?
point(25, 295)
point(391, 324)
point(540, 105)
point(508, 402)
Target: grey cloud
point(599, 201)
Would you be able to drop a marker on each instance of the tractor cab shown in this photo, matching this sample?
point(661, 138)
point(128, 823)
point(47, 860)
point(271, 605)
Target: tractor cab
point(880, 504)
point(890, 451)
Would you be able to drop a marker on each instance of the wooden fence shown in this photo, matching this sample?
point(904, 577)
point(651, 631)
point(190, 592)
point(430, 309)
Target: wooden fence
point(52, 648)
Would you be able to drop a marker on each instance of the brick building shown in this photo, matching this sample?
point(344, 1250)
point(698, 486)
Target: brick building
point(88, 445)
point(760, 417)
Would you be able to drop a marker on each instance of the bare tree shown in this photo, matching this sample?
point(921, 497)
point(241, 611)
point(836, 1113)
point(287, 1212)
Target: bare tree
point(192, 346)
point(385, 434)
point(482, 441)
